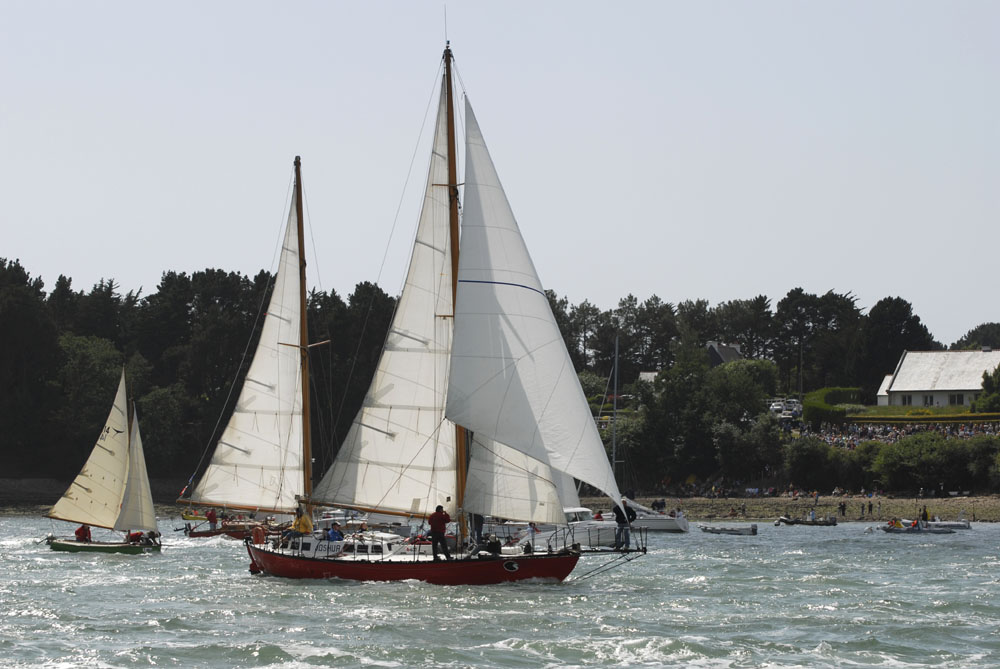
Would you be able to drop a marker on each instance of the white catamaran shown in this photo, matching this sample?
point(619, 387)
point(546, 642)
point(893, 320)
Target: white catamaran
point(111, 491)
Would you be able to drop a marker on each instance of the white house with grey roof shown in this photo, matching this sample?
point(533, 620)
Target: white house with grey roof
point(937, 378)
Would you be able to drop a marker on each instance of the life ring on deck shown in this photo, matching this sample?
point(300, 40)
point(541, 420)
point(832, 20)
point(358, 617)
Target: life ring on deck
point(259, 535)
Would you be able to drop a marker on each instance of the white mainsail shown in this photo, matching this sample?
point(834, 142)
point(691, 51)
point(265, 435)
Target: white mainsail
point(399, 454)
point(258, 461)
point(137, 511)
point(95, 495)
point(511, 378)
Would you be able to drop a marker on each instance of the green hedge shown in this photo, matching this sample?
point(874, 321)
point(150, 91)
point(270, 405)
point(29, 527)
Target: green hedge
point(917, 416)
point(819, 405)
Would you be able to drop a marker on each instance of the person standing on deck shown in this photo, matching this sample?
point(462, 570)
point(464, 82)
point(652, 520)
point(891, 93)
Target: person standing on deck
point(623, 535)
point(439, 524)
point(477, 528)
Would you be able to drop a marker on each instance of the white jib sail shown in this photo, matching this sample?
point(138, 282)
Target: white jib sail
point(137, 512)
point(511, 379)
point(399, 455)
point(505, 483)
point(95, 495)
point(257, 463)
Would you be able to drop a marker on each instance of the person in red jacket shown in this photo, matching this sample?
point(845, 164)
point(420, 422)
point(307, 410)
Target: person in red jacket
point(83, 533)
point(439, 524)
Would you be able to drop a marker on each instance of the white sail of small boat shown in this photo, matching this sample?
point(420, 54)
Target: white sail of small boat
point(260, 462)
point(473, 355)
point(112, 489)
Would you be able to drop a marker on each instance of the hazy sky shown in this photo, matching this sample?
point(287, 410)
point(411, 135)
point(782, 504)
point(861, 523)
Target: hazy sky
point(688, 150)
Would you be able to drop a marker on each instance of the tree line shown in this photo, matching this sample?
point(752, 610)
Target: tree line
point(188, 344)
point(816, 341)
point(185, 347)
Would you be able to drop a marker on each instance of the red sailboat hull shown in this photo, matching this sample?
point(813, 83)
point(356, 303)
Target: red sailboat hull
point(500, 569)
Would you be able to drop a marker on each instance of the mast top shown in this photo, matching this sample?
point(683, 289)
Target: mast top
point(298, 161)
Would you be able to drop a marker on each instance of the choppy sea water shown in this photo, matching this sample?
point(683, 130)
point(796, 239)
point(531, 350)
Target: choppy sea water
point(790, 596)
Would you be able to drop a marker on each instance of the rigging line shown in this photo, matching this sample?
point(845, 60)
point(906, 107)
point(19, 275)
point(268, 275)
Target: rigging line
point(260, 310)
point(385, 255)
point(607, 385)
point(607, 566)
point(283, 465)
point(312, 237)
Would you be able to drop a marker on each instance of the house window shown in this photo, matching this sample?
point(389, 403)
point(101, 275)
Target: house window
point(906, 400)
point(928, 400)
point(957, 398)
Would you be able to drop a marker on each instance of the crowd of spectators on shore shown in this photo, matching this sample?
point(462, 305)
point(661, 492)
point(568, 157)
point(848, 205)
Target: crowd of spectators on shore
point(849, 435)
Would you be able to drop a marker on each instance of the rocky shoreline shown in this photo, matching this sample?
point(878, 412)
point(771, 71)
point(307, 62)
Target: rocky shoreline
point(984, 508)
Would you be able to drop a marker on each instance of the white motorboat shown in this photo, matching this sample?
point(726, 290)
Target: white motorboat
point(943, 524)
point(655, 521)
point(913, 527)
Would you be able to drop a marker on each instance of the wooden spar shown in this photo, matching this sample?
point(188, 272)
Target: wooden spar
point(461, 471)
point(303, 336)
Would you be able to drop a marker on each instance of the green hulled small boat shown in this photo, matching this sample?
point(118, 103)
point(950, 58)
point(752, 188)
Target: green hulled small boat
point(111, 491)
point(74, 546)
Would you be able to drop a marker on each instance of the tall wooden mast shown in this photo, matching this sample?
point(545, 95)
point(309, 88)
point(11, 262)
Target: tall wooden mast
point(460, 445)
point(303, 336)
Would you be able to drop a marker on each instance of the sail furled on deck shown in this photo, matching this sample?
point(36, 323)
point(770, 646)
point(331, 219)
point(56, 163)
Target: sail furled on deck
point(257, 463)
point(511, 378)
point(95, 495)
point(399, 454)
point(137, 512)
